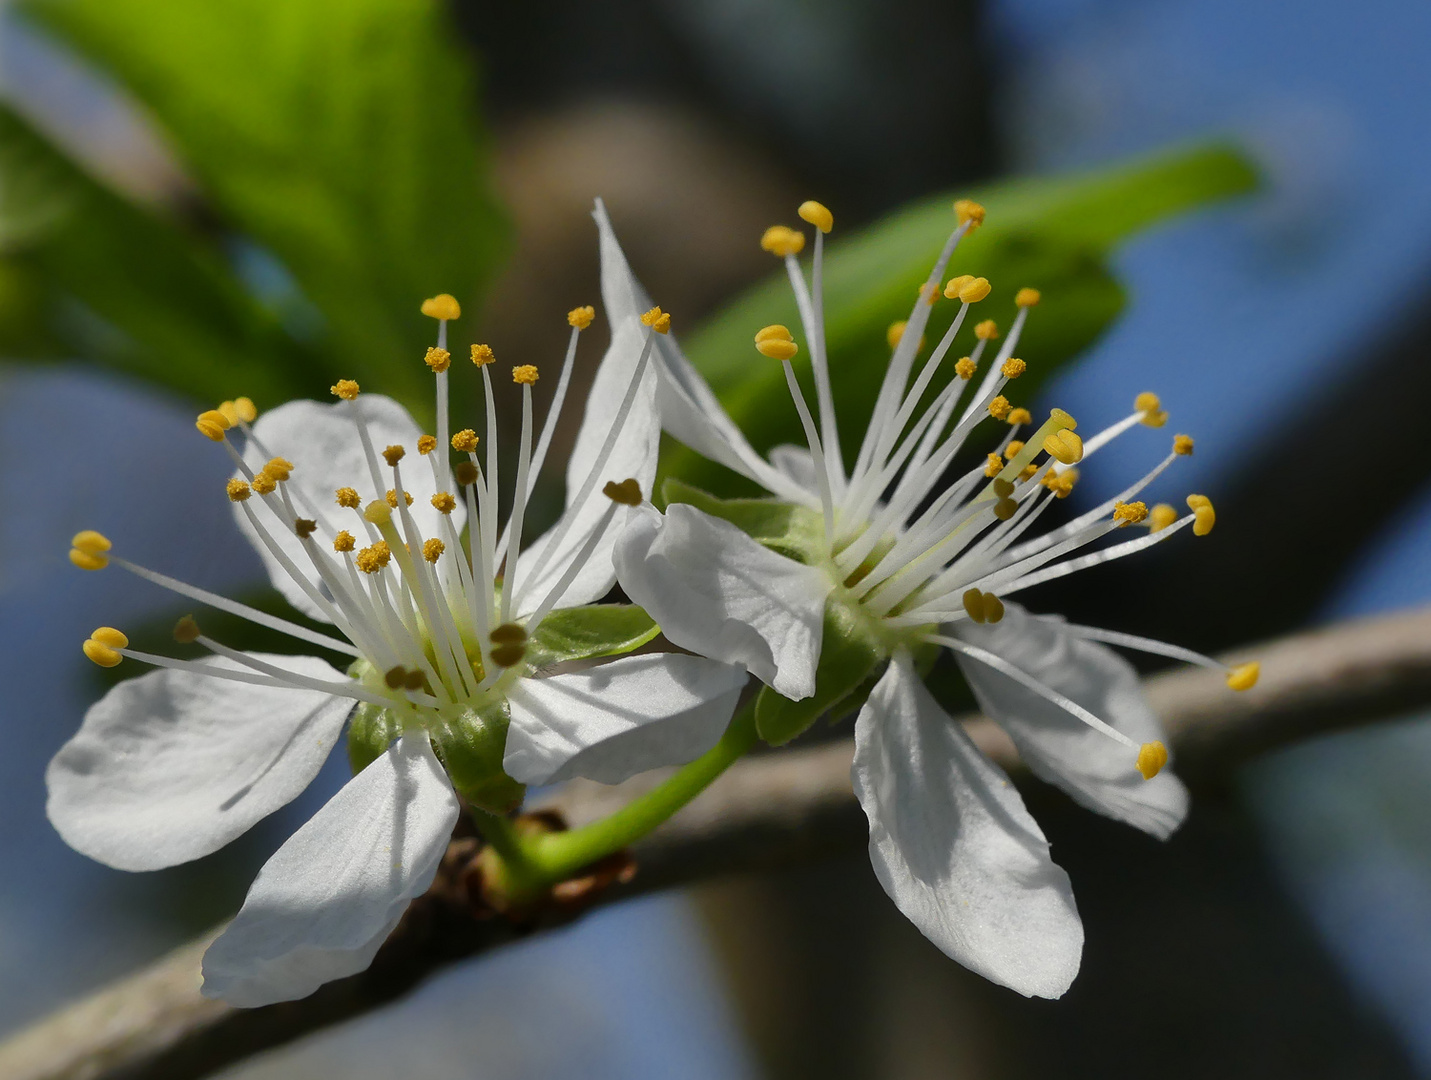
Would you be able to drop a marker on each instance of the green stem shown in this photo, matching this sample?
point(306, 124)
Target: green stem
point(557, 856)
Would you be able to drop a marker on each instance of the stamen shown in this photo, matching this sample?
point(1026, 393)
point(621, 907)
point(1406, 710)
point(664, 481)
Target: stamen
point(238, 490)
point(432, 549)
point(660, 321)
point(346, 389)
point(393, 454)
point(579, 318)
point(101, 646)
point(781, 240)
point(1151, 406)
point(1160, 517)
point(344, 542)
point(1013, 368)
point(1183, 445)
point(965, 368)
point(88, 550)
point(1126, 514)
point(443, 307)
point(438, 360)
point(817, 214)
point(212, 424)
point(525, 375)
point(186, 630)
point(1152, 756)
point(482, 355)
point(999, 408)
point(1244, 676)
point(1064, 446)
point(628, 492)
point(988, 330)
point(969, 213)
point(1204, 515)
point(426, 444)
point(1027, 298)
point(1017, 417)
point(374, 557)
point(517, 518)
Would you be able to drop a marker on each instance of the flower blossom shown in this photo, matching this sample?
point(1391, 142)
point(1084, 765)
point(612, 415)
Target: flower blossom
point(845, 569)
point(358, 517)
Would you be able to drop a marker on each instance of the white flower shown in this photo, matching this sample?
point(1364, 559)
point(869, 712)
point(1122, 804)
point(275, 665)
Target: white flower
point(814, 589)
point(448, 669)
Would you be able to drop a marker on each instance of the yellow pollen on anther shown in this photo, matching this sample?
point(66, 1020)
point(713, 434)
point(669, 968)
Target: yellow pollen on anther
point(245, 410)
point(230, 413)
point(1000, 408)
point(432, 549)
point(1244, 676)
point(87, 561)
point(1160, 517)
point(1013, 448)
point(393, 454)
point(99, 652)
point(773, 332)
point(186, 631)
point(995, 465)
point(304, 527)
point(1147, 401)
point(954, 284)
point(1020, 416)
point(969, 212)
point(964, 367)
point(439, 360)
point(1132, 513)
point(1027, 297)
point(580, 317)
point(525, 374)
point(1183, 444)
point(1152, 756)
point(264, 484)
point(1060, 483)
point(444, 502)
point(1065, 447)
point(1013, 368)
point(1028, 471)
point(348, 498)
point(465, 441)
point(659, 320)
point(482, 355)
point(278, 468)
point(378, 512)
point(442, 306)
point(465, 473)
point(374, 557)
point(426, 444)
point(971, 292)
point(91, 542)
point(817, 214)
point(987, 330)
point(391, 498)
point(344, 541)
point(238, 490)
point(1204, 517)
point(347, 389)
point(776, 348)
point(212, 424)
point(781, 240)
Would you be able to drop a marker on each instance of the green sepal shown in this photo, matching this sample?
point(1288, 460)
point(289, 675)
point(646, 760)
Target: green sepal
point(794, 531)
point(370, 732)
point(581, 633)
point(849, 655)
point(471, 748)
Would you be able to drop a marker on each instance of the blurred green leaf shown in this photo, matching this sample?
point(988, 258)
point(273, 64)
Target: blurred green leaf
point(1054, 234)
point(338, 134)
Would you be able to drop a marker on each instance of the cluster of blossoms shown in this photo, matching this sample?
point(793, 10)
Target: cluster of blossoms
point(835, 592)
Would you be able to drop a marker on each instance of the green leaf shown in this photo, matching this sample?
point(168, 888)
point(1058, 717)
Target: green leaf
point(791, 530)
point(1054, 234)
point(582, 633)
point(849, 654)
point(339, 134)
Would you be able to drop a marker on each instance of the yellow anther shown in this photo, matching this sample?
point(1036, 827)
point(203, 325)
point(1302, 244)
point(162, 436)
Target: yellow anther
point(348, 498)
point(1005, 509)
point(1028, 471)
point(777, 349)
point(974, 604)
point(1160, 517)
point(782, 240)
point(1013, 448)
point(952, 287)
point(1204, 517)
point(442, 306)
point(975, 290)
point(1027, 297)
point(1019, 416)
point(1060, 483)
point(378, 512)
point(238, 490)
point(1132, 513)
point(186, 630)
point(91, 542)
point(1002, 488)
point(230, 413)
point(660, 321)
point(987, 330)
point(817, 214)
point(482, 355)
point(432, 549)
point(1000, 408)
point(465, 473)
point(100, 653)
point(87, 560)
point(1183, 444)
point(1155, 419)
point(465, 441)
point(1244, 676)
point(108, 635)
point(426, 444)
point(773, 332)
point(264, 484)
point(929, 293)
point(1063, 419)
point(580, 317)
point(443, 502)
point(374, 557)
point(1152, 756)
point(524, 374)
point(968, 211)
point(278, 468)
point(1013, 368)
point(995, 465)
point(964, 367)
point(212, 424)
point(439, 360)
point(391, 498)
point(344, 541)
point(1147, 401)
point(993, 608)
point(628, 492)
point(1065, 447)
point(347, 389)
point(393, 454)
point(245, 410)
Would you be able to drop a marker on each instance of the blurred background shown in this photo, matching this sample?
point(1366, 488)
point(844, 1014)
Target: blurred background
point(1223, 200)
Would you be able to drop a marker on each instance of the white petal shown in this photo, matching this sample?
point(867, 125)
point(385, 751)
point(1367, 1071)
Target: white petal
point(954, 847)
point(172, 765)
point(324, 903)
point(634, 455)
point(322, 443)
point(1098, 772)
point(717, 592)
point(795, 463)
point(619, 719)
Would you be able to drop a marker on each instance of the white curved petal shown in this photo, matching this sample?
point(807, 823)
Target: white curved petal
point(324, 903)
point(717, 592)
point(1096, 771)
point(172, 765)
point(619, 719)
point(322, 443)
point(634, 455)
point(798, 466)
point(954, 847)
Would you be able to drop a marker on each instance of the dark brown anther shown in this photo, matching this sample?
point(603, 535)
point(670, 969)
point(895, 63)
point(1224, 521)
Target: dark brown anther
point(304, 528)
point(1003, 488)
point(1005, 509)
point(465, 473)
point(628, 492)
point(507, 655)
point(395, 677)
point(416, 680)
point(509, 634)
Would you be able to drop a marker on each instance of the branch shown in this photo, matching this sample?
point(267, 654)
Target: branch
point(767, 811)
